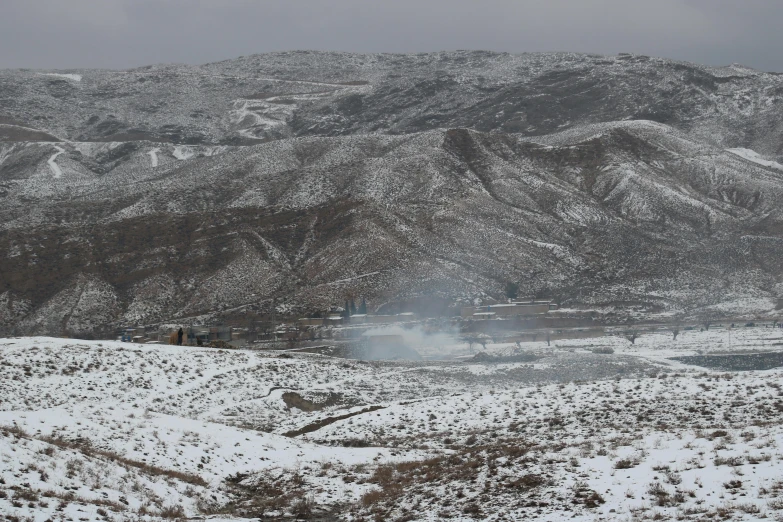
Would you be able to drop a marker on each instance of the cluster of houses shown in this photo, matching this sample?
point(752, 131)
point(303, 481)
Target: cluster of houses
point(337, 320)
point(313, 328)
point(506, 310)
point(472, 313)
point(192, 335)
point(517, 321)
point(316, 328)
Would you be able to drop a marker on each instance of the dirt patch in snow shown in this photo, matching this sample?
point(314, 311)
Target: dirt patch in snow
point(294, 400)
point(315, 426)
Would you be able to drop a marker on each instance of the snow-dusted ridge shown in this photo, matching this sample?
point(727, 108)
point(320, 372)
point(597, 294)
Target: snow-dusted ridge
point(456, 194)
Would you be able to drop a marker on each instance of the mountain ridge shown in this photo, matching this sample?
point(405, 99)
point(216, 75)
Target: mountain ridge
point(314, 93)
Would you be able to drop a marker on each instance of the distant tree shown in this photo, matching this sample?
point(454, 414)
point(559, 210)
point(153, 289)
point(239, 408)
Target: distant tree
point(632, 335)
point(676, 325)
point(707, 318)
point(347, 312)
point(512, 290)
point(363, 307)
point(353, 307)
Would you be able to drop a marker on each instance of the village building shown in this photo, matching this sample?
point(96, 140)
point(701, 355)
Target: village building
point(505, 310)
point(310, 321)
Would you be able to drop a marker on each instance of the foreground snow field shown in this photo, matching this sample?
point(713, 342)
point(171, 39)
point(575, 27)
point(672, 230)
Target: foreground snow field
point(101, 430)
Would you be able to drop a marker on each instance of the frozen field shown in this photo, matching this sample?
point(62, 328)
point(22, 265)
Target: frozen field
point(101, 430)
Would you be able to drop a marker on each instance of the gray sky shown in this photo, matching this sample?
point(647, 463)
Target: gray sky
point(127, 33)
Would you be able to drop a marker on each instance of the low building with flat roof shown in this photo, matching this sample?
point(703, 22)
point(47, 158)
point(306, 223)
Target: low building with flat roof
point(311, 321)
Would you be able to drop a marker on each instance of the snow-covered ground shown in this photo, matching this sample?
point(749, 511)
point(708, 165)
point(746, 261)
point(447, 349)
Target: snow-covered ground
point(97, 430)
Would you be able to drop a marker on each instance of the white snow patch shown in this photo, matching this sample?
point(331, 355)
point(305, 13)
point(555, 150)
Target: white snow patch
point(56, 171)
point(746, 305)
point(154, 157)
point(755, 157)
point(183, 152)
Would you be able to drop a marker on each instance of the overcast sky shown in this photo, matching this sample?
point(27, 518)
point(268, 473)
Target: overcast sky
point(127, 33)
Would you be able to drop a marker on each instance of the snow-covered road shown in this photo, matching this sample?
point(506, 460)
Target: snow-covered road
point(54, 167)
point(154, 157)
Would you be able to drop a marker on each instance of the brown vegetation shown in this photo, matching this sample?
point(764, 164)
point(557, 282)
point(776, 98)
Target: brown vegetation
point(86, 448)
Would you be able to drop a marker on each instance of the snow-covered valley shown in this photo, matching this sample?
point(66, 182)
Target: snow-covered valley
point(634, 197)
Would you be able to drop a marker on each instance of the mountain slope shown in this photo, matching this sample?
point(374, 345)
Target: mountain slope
point(296, 179)
point(626, 212)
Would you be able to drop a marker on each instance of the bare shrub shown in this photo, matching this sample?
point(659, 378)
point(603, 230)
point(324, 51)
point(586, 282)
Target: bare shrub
point(776, 504)
point(372, 497)
point(673, 478)
point(756, 459)
point(172, 512)
point(583, 494)
point(729, 461)
point(751, 509)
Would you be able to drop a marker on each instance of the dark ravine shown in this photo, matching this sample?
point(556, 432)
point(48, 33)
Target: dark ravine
point(315, 426)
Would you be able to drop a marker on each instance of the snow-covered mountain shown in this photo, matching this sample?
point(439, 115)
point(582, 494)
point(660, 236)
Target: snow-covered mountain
point(174, 191)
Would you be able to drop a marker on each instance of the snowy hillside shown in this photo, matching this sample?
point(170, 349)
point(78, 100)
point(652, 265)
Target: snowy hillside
point(630, 210)
point(98, 430)
point(171, 192)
